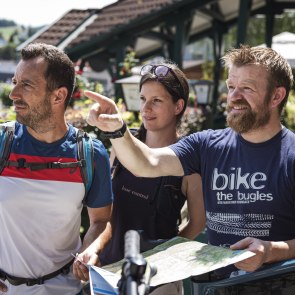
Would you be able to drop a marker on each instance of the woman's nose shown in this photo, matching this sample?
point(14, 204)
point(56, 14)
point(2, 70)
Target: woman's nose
point(146, 106)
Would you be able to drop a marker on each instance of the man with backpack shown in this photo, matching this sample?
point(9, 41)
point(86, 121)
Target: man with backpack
point(48, 170)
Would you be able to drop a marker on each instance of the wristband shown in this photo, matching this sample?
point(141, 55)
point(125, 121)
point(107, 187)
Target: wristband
point(115, 134)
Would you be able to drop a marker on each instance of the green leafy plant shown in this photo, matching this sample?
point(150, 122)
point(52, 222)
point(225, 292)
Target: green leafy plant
point(5, 90)
point(129, 62)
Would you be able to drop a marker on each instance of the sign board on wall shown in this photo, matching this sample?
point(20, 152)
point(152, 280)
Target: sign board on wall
point(130, 87)
point(131, 95)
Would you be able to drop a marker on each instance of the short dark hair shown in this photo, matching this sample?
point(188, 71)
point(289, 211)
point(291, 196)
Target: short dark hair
point(60, 69)
point(278, 69)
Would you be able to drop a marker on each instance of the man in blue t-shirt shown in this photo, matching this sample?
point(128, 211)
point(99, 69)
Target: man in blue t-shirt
point(247, 169)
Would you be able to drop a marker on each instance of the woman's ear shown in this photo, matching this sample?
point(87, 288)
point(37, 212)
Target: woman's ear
point(179, 106)
point(60, 95)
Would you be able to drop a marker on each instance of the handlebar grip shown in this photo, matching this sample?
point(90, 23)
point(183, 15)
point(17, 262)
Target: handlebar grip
point(131, 246)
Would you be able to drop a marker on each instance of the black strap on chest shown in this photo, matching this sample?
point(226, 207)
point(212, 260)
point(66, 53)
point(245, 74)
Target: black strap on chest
point(34, 166)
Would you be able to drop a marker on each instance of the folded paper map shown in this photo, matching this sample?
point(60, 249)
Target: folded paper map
point(180, 258)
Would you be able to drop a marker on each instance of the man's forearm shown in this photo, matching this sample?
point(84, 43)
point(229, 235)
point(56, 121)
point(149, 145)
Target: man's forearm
point(279, 251)
point(144, 161)
point(133, 154)
point(98, 235)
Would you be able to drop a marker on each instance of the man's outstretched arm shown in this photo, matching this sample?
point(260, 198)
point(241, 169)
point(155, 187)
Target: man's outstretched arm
point(132, 153)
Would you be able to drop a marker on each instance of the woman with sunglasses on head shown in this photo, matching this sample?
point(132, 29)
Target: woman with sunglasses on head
point(153, 205)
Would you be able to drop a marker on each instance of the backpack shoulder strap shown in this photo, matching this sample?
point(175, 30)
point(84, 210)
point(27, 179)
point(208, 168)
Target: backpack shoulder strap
point(117, 165)
point(116, 168)
point(6, 138)
point(86, 157)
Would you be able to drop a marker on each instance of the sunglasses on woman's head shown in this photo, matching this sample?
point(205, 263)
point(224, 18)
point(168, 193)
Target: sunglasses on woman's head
point(160, 71)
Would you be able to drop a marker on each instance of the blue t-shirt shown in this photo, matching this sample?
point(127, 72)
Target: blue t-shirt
point(249, 188)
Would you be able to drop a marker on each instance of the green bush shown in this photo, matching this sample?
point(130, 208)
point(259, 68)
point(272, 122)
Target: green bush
point(8, 52)
point(5, 90)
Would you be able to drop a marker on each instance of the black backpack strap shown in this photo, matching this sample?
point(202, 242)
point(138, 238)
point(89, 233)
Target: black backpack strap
point(35, 166)
point(6, 138)
point(117, 165)
point(116, 168)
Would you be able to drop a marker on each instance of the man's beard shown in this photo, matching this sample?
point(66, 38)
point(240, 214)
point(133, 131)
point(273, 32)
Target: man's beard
point(249, 119)
point(37, 115)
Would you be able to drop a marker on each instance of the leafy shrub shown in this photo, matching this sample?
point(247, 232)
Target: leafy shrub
point(5, 90)
point(8, 52)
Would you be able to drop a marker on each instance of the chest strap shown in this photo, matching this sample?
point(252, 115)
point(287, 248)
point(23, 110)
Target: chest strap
point(34, 166)
point(16, 281)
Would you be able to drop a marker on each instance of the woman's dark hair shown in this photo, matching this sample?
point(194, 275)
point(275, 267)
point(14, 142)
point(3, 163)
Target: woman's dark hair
point(177, 89)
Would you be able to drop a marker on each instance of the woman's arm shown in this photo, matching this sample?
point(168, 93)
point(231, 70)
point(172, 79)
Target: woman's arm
point(192, 188)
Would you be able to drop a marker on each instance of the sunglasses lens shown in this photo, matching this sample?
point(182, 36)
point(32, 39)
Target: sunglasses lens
point(161, 71)
point(146, 69)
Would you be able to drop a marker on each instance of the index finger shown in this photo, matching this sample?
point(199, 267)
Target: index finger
point(101, 99)
point(104, 104)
